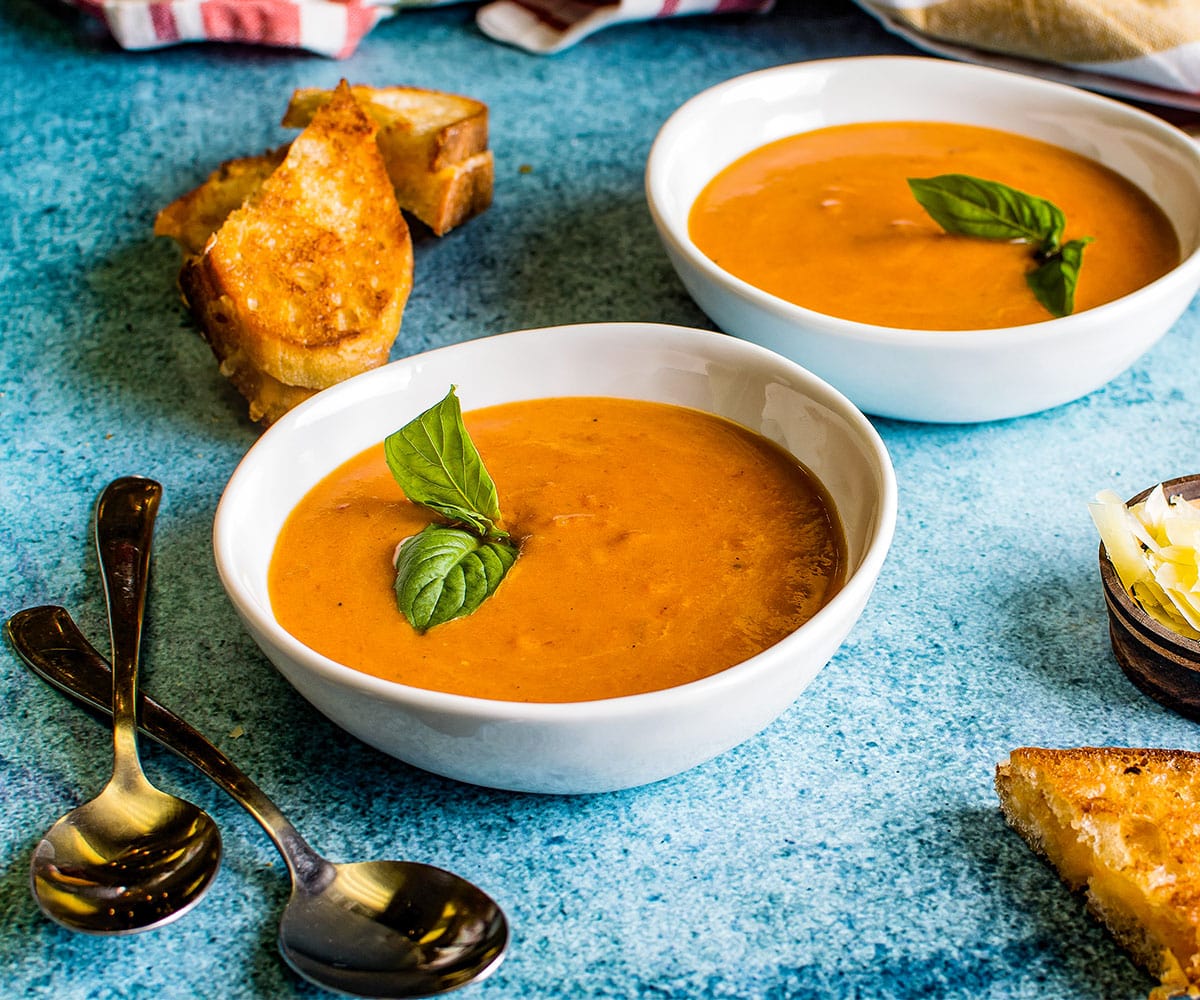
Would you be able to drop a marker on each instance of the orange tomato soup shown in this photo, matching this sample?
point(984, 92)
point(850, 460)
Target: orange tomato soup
point(826, 220)
point(658, 545)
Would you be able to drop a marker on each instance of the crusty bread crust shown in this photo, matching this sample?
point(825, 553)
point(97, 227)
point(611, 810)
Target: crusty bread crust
point(449, 197)
point(430, 127)
point(298, 262)
point(192, 218)
point(305, 284)
point(435, 147)
point(1122, 825)
point(269, 398)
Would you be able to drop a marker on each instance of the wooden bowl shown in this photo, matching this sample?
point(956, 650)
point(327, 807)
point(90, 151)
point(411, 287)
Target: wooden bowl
point(1161, 662)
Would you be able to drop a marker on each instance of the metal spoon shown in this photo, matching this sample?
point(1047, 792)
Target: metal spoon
point(375, 929)
point(134, 857)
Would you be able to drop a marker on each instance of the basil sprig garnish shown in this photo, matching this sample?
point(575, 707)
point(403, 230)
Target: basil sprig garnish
point(435, 462)
point(1053, 281)
point(445, 573)
point(447, 570)
point(971, 206)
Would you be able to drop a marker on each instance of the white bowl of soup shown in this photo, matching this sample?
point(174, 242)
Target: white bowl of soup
point(783, 202)
point(591, 667)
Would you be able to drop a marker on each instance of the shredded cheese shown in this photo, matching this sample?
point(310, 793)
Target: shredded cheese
point(1155, 548)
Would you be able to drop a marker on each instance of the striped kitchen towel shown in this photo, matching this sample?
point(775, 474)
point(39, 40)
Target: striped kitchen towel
point(335, 27)
point(1148, 49)
point(546, 26)
point(329, 27)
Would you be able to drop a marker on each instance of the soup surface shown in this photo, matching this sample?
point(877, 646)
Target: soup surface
point(658, 545)
point(826, 220)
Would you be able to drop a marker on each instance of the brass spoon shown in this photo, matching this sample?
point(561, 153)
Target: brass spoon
point(134, 857)
point(374, 929)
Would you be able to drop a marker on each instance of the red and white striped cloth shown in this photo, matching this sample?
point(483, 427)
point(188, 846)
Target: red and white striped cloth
point(335, 27)
point(552, 25)
point(1144, 49)
point(329, 27)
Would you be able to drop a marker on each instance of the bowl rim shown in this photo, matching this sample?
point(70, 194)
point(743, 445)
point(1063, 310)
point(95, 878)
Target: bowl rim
point(966, 341)
point(1115, 589)
point(863, 577)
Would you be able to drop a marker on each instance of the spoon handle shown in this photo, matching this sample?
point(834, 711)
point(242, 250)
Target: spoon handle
point(51, 644)
point(124, 527)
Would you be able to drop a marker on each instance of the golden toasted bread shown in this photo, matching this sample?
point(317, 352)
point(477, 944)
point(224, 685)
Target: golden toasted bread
point(304, 285)
point(435, 146)
point(192, 218)
point(1123, 826)
point(449, 197)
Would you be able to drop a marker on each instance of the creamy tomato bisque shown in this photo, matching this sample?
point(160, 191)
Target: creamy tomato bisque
point(658, 545)
point(825, 219)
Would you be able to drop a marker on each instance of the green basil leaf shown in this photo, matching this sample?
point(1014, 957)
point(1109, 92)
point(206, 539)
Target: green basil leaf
point(445, 573)
point(435, 462)
point(1055, 278)
point(970, 206)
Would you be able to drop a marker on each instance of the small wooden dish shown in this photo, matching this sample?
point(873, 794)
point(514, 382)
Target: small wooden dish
point(1161, 662)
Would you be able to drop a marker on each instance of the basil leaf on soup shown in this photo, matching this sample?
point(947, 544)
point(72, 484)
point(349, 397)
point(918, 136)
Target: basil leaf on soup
point(971, 206)
point(1054, 280)
point(435, 462)
point(445, 573)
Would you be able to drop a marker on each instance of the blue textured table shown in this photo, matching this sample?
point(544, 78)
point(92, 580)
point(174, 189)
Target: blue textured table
point(854, 849)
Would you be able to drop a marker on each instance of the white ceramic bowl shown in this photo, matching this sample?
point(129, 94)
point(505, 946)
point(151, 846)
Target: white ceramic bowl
point(945, 376)
point(586, 746)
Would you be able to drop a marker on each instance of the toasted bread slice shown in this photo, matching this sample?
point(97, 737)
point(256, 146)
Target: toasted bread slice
point(192, 218)
point(449, 197)
point(1123, 826)
point(429, 127)
point(434, 145)
point(305, 284)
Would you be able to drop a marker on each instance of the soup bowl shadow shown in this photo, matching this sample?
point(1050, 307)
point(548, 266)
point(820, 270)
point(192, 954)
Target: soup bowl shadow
point(1159, 661)
point(948, 376)
point(587, 746)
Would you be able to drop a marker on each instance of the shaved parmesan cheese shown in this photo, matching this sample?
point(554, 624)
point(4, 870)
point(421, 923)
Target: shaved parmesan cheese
point(1155, 548)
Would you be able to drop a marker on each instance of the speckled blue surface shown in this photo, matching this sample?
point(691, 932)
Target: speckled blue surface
point(853, 849)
